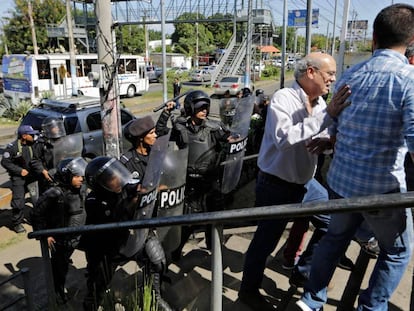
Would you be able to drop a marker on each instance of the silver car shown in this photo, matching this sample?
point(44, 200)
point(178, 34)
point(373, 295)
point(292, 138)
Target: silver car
point(200, 75)
point(232, 84)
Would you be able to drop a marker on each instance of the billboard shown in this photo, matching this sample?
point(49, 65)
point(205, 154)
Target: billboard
point(297, 18)
point(357, 30)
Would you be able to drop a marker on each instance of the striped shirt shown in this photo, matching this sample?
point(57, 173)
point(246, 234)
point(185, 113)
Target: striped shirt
point(374, 131)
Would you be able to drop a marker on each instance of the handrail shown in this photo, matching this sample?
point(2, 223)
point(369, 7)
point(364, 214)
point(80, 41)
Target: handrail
point(366, 203)
point(28, 295)
point(217, 219)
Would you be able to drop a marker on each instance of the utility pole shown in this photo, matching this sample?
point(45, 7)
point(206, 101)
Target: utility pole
point(32, 27)
point(71, 49)
point(340, 62)
point(284, 33)
point(308, 26)
point(333, 30)
point(107, 75)
point(248, 44)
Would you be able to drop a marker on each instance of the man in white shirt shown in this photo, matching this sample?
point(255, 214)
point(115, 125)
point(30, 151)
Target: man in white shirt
point(295, 133)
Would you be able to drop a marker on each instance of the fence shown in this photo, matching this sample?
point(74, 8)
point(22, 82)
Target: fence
point(217, 219)
point(25, 274)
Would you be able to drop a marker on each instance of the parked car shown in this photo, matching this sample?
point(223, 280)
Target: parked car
point(79, 114)
point(233, 84)
point(200, 75)
point(259, 67)
point(153, 74)
point(179, 70)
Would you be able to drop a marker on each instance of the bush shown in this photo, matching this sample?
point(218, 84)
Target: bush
point(14, 109)
point(270, 71)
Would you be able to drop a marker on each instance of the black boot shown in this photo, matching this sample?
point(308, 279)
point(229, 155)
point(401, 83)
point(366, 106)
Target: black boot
point(162, 305)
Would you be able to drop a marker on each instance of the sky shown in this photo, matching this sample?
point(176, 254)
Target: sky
point(359, 9)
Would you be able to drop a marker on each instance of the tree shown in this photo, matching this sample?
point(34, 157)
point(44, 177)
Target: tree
point(17, 29)
point(185, 33)
point(221, 32)
point(131, 39)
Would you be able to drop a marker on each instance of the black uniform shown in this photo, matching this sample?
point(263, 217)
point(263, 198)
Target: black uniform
point(17, 157)
point(205, 144)
point(137, 163)
point(60, 207)
point(43, 158)
point(103, 248)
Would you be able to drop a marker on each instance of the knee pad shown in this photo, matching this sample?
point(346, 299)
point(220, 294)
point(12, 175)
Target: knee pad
point(155, 253)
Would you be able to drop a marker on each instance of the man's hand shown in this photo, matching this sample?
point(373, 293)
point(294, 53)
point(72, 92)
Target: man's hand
point(24, 172)
point(319, 145)
point(51, 243)
point(339, 101)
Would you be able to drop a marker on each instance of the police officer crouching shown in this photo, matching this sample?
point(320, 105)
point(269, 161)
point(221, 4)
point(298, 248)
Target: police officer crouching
point(62, 206)
point(114, 198)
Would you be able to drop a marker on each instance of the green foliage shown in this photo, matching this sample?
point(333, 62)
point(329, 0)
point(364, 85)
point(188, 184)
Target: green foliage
point(131, 39)
point(139, 299)
point(221, 32)
point(14, 109)
point(270, 71)
point(16, 29)
point(185, 34)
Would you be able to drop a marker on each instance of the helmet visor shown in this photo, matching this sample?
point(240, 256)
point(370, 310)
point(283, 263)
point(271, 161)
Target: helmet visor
point(54, 129)
point(77, 166)
point(113, 176)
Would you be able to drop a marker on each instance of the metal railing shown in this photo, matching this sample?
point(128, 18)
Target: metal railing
point(218, 219)
point(28, 295)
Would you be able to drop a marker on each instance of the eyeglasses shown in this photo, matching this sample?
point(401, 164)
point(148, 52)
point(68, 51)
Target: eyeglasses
point(331, 74)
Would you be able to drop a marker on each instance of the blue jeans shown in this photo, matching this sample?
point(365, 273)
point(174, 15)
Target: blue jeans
point(396, 244)
point(269, 191)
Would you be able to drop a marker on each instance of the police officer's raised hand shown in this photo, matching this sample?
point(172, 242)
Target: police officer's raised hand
point(339, 101)
point(24, 172)
point(169, 106)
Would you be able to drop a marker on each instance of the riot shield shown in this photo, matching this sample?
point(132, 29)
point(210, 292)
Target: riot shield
point(171, 195)
point(227, 110)
point(236, 148)
point(67, 146)
point(147, 196)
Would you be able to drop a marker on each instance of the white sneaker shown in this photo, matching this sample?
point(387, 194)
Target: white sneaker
point(303, 306)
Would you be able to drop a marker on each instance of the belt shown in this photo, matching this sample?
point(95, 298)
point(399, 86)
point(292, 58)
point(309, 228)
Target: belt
point(276, 180)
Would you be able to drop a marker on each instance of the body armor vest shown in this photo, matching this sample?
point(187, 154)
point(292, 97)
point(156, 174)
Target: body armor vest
point(202, 156)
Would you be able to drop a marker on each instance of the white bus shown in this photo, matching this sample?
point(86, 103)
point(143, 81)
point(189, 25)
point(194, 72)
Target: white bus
point(32, 76)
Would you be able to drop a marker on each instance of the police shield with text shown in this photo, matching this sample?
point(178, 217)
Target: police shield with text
point(239, 130)
point(117, 197)
point(171, 195)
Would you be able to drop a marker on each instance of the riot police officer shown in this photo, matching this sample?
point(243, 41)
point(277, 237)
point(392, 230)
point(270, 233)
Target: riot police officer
point(142, 133)
point(114, 198)
point(62, 206)
point(44, 162)
point(16, 160)
point(205, 140)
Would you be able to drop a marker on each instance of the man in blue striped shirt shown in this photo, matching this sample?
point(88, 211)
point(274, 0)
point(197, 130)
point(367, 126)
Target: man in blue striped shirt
point(373, 135)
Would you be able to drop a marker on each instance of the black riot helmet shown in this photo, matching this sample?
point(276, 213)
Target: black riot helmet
point(69, 167)
point(53, 127)
point(246, 92)
point(195, 100)
point(107, 173)
point(259, 92)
